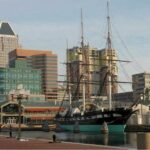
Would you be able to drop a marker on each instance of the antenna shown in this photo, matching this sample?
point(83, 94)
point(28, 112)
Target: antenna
point(82, 32)
point(67, 43)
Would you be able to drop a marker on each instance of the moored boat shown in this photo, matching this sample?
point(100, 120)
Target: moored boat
point(93, 121)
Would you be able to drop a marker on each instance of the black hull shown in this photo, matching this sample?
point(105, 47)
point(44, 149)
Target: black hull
point(113, 117)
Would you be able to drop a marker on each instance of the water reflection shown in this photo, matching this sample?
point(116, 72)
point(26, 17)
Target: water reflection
point(131, 140)
point(94, 138)
point(106, 139)
point(138, 140)
point(143, 140)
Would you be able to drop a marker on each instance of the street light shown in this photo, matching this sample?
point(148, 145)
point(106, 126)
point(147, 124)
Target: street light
point(141, 97)
point(19, 93)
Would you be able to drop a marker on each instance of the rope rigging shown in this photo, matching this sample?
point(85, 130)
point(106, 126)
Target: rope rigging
point(138, 67)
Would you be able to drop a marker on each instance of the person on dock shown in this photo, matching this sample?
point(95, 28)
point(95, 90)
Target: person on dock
point(10, 131)
point(54, 138)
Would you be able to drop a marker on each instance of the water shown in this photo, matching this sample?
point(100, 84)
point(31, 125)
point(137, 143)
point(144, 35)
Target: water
point(130, 140)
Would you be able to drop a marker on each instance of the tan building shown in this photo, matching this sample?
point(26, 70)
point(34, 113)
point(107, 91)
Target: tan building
point(93, 63)
point(46, 61)
point(80, 66)
point(141, 86)
point(8, 42)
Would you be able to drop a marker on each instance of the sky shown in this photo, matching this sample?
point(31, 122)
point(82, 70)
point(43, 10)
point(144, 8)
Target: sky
point(48, 24)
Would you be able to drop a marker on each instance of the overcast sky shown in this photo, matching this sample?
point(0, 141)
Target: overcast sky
point(46, 24)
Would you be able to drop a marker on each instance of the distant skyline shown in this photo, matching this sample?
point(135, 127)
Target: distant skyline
point(46, 24)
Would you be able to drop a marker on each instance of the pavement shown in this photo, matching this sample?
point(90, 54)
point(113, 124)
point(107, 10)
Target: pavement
point(13, 143)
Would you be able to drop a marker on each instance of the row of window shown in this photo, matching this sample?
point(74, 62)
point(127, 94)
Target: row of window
point(11, 86)
point(29, 76)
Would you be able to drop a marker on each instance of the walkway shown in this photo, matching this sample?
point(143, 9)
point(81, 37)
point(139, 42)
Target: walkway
point(12, 143)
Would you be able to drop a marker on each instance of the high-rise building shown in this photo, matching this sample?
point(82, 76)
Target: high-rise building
point(46, 61)
point(8, 42)
point(141, 86)
point(94, 64)
point(78, 69)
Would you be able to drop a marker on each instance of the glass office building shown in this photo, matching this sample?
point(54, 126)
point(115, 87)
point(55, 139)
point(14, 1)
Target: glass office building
point(19, 73)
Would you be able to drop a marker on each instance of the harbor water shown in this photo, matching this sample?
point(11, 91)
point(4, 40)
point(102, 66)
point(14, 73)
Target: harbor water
point(131, 140)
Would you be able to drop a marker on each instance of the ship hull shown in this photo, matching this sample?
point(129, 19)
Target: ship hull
point(94, 121)
point(94, 128)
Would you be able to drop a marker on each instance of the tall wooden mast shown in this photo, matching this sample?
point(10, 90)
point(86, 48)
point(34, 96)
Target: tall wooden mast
point(82, 30)
point(85, 60)
point(109, 57)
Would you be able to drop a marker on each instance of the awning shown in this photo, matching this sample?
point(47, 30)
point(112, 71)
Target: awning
point(37, 109)
point(41, 118)
point(40, 109)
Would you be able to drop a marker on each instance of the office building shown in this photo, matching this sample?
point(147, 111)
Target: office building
point(8, 42)
point(94, 64)
point(141, 86)
point(46, 61)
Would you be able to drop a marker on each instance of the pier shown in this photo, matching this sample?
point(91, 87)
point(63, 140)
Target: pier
point(137, 128)
point(13, 143)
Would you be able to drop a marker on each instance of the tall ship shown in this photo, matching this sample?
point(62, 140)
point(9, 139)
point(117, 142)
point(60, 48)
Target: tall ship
point(83, 115)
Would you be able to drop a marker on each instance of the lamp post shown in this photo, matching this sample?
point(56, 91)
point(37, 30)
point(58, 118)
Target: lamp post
point(19, 93)
point(19, 98)
point(141, 97)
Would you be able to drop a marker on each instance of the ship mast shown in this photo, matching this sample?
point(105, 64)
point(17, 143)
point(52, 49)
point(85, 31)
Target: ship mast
point(82, 31)
point(85, 60)
point(68, 77)
point(109, 57)
point(82, 49)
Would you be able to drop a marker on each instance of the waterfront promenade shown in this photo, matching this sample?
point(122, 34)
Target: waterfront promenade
point(13, 143)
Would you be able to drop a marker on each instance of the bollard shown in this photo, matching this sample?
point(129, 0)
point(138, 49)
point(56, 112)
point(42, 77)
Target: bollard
point(54, 138)
point(10, 131)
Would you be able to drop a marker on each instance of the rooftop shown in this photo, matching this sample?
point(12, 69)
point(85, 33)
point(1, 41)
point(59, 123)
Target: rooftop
point(6, 29)
point(27, 53)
